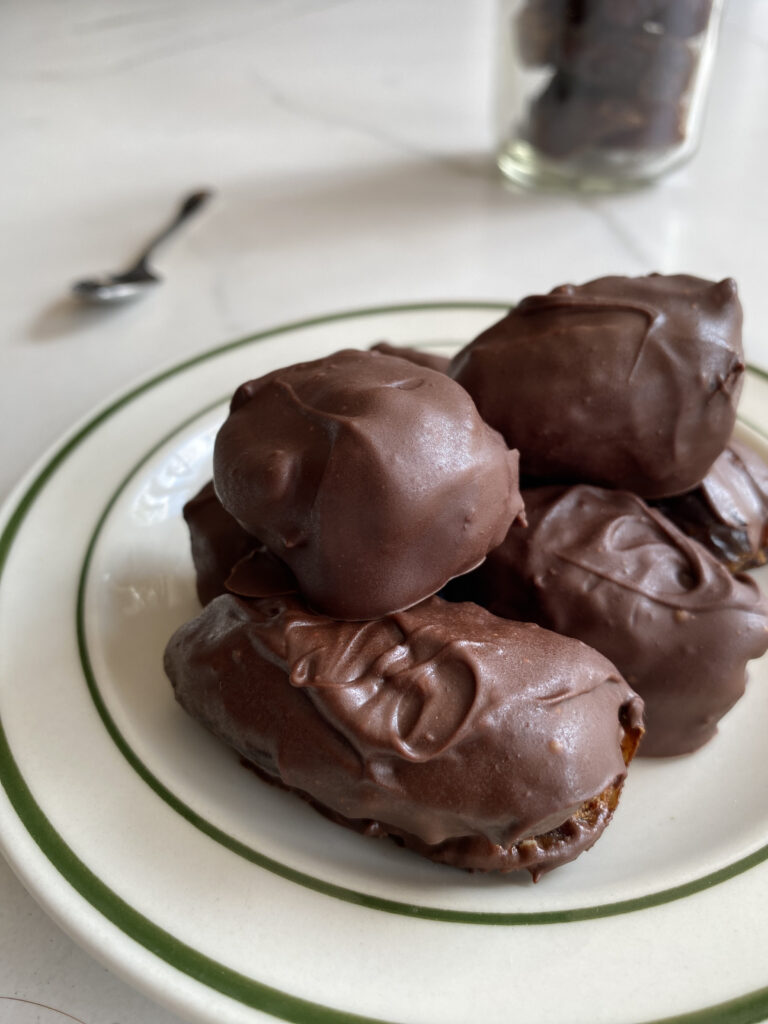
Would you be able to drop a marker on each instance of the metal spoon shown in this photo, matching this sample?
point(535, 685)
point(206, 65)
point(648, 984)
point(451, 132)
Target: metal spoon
point(139, 277)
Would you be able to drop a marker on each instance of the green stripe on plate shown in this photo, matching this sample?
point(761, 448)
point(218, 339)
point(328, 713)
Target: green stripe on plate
point(149, 935)
point(747, 1009)
point(310, 881)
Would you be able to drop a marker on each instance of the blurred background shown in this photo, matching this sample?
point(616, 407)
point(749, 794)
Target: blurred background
point(350, 145)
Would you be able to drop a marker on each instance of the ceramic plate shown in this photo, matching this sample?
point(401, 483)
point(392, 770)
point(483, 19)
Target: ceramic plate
point(229, 900)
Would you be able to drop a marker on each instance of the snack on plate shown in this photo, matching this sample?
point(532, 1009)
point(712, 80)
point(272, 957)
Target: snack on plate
point(217, 541)
point(414, 355)
point(622, 382)
point(373, 479)
point(482, 731)
point(475, 741)
point(603, 566)
point(728, 511)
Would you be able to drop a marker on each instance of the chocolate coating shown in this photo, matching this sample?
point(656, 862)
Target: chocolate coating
point(217, 540)
point(222, 553)
point(604, 567)
point(373, 479)
point(728, 511)
point(623, 382)
point(478, 742)
point(414, 355)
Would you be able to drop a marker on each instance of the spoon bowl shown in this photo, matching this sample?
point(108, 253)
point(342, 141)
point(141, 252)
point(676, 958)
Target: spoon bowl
point(139, 279)
point(115, 288)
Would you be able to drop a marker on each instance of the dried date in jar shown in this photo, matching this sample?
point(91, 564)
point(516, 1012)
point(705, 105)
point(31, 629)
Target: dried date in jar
point(595, 93)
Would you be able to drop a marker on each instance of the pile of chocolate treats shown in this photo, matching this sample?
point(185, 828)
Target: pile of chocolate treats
point(620, 71)
point(400, 633)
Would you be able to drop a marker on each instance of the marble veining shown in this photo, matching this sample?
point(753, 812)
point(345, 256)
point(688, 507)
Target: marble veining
point(350, 147)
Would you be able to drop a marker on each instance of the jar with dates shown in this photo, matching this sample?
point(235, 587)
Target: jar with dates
point(601, 94)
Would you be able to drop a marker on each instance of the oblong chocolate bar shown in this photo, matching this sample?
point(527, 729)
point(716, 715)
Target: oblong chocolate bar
point(602, 566)
point(478, 742)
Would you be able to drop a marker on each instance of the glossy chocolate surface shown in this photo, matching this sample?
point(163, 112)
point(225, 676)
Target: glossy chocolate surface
point(223, 554)
point(602, 566)
point(414, 355)
point(728, 511)
point(478, 742)
point(373, 479)
point(623, 382)
point(217, 541)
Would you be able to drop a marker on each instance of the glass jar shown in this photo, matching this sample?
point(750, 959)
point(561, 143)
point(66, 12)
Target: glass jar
point(601, 94)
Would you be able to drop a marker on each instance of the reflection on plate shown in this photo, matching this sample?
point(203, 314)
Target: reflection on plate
point(223, 897)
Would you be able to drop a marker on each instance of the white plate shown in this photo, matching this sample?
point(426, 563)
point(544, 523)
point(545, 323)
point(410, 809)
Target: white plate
point(229, 900)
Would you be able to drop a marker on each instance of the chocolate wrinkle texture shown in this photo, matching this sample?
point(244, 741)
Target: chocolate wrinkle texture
point(728, 511)
point(217, 540)
point(373, 479)
point(604, 567)
point(414, 355)
point(225, 555)
point(629, 383)
point(475, 741)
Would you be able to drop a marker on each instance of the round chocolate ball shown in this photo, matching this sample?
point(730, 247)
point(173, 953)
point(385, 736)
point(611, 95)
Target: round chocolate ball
point(477, 742)
point(217, 542)
point(374, 479)
point(606, 568)
point(623, 382)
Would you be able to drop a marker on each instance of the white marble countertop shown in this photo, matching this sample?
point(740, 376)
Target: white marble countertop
point(349, 147)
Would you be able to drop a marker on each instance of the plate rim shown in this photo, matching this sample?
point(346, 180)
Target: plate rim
point(748, 1008)
point(316, 884)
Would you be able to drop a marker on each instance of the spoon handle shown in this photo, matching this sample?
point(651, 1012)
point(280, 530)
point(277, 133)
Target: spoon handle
point(188, 207)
